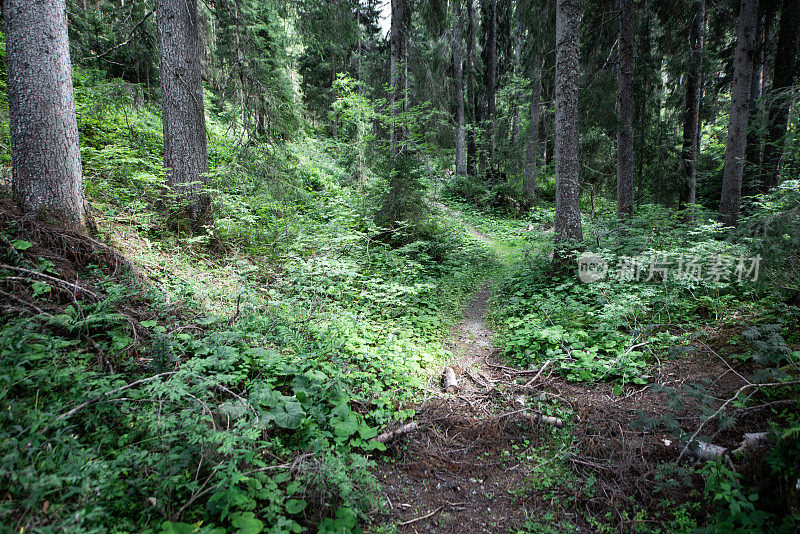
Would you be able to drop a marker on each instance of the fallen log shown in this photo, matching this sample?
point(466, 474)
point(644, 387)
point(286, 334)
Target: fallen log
point(537, 417)
point(707, 451)
point(541, 418)
point(449, 379)
point(391, 435)
point(753, 441)
point(701, 450)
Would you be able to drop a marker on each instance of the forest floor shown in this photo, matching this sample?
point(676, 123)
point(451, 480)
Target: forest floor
point(453, 475)
point(485, 460)
point(459, 472)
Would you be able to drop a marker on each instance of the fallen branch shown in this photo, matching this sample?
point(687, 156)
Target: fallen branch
point(420, 518)
point(535, 378)
point(387, 437)
point(49, 279)
point(449, 379)
point(534, 416)
point(593, 465)
point(81, 406)
point(506, 369)
point(701, 450)
point(726, 403)
point(707, 451)
point(541, 418)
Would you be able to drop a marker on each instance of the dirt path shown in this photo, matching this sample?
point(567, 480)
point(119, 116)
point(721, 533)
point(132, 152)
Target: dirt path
point(458, 473)
point(470, 466)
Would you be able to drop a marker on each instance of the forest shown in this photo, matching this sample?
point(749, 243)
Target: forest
point(388, 266)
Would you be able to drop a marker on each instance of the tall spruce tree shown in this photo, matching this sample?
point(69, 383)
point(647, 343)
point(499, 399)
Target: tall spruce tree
point(568, 214)
point(691, 114)
point(784, 72)
point(625, 100)
point(458, 78)
point(184, 122)
point(739, 113)
point(45, 154)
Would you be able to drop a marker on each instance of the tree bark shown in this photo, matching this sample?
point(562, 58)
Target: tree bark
point(568, 216)
point(185, 149)
point(404, 47)
point(644, 55)
point(45, 153)
point(784, 72)
point(396, 71)
point(691, 114)
point(518, 42)
point(625, 99)
point(491, 81)
point(471, 91)
point(739, 114)
point(532, 142)
point(458, 74)
point(335, 123)
point(752, 174)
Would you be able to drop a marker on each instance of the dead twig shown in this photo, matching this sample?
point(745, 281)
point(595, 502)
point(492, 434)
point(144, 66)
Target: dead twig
point(420, 518)
point(83, 405)
point(49, 279)
point(536, 377)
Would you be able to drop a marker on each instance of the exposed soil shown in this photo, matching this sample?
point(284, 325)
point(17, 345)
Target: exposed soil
point(453, 464)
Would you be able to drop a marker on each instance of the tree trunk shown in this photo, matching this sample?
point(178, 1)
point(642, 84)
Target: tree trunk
point(395, 71)
point(491, 81)
point(185, 151)
point(471, 90)
point(691, 114)
point(782, 79)
point(645, 63)
point(335, 123)
point(532, 142)
point(751, 179)
point(458, 74)
point(518, 42)
point(45, 154)
point(739, 114)
point(568, 213)
point(404, 73)
point(358, 45)
point(625, 110)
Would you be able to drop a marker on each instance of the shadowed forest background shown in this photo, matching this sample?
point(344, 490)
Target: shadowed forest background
point(404, 266)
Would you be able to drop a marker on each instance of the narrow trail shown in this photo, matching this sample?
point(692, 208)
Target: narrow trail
point(457, 473)
point(451, 470)
point(483, 460)
point(471, 230)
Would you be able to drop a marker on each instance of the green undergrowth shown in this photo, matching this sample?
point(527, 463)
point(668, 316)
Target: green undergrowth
point(505, 237)
point(621, 328)
point(609, 329)
point(241, 386)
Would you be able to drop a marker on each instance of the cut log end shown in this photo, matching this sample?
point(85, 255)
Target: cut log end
point(449, 380)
